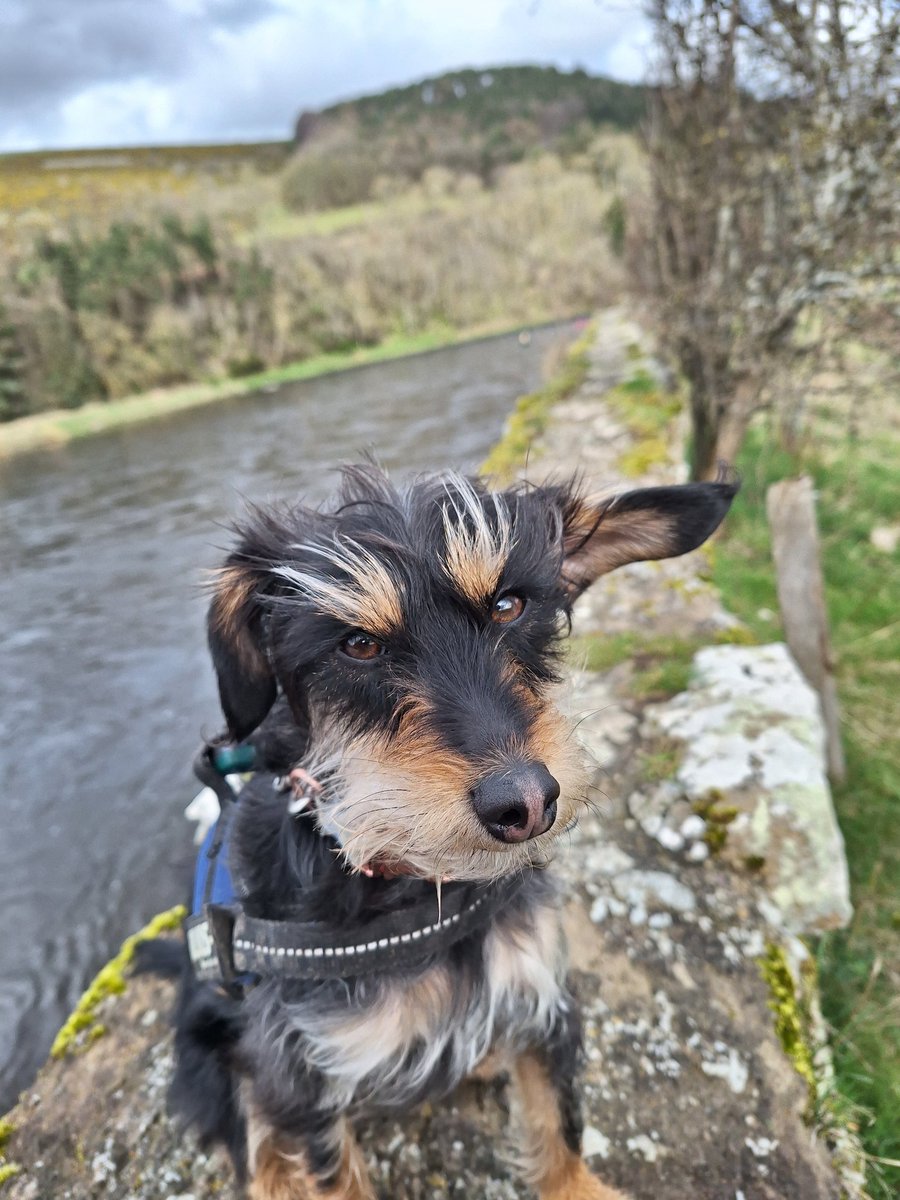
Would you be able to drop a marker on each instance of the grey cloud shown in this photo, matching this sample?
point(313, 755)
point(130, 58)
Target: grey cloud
point(51, 49)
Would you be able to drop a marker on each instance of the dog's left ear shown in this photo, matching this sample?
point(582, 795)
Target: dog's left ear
point(656, 522)
point(236, 634)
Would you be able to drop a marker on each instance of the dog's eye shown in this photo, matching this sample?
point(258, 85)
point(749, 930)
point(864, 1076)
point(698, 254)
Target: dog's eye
point(361, 647)
point(507, 608)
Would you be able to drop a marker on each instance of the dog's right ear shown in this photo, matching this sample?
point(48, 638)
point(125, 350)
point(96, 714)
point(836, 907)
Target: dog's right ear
point(236, 633)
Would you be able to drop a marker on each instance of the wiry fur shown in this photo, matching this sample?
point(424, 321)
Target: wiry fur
point(401, 743)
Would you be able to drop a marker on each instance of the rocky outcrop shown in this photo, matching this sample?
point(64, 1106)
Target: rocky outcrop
point(710, 844)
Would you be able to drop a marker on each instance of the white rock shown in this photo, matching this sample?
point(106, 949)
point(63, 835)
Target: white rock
point(692, 827)
point(698, 853)
point(732, 1069)
point(670, 839)
point(607, 860)
point(593, 1142)
point(761, 1147)
point(644, 1146)
point(653, 889)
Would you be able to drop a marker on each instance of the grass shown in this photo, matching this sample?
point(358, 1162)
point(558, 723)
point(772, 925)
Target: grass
point(858, 487)
point(662, 663)
point(60, 426)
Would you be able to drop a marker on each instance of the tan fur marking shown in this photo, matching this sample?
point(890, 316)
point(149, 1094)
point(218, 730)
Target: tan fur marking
point(234, 588)
point(229, 612)
point(598, 539)
point(547, 1162)
point(476, 552)
point(369, 598)
point(279, 1171)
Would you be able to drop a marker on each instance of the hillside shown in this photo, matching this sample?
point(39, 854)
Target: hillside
point(488, 98)
point(475, 119)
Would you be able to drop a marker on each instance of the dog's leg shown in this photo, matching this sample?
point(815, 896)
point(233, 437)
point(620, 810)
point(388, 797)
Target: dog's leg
point(548, 1111)
point(281, 1168)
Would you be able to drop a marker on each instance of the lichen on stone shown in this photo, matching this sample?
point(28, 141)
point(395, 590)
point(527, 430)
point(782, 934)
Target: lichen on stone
point(790, 1020)
point(717, 815)
point(9, 1171)
point(110, 981)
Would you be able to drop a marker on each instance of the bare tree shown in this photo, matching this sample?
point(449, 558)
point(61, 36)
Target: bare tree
point(774, 147)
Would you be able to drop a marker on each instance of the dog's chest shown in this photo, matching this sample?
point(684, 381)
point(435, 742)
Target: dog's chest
point(427, 1034)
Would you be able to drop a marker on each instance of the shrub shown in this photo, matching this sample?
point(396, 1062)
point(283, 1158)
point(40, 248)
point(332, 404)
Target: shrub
point(319, 179)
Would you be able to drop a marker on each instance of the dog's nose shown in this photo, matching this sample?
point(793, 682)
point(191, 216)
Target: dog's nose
point(517, 804)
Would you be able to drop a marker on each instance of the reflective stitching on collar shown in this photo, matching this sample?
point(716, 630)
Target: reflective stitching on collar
point(363, 948)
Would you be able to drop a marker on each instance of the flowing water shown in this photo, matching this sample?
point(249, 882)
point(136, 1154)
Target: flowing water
point(105, 685)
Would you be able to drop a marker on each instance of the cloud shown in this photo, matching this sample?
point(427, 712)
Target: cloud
point(102, 72)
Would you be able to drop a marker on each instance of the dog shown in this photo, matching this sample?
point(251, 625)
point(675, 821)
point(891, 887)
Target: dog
point(399, 652)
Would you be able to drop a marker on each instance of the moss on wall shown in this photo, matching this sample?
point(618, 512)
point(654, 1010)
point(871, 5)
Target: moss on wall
point(81, 1029)
point(790, 1016)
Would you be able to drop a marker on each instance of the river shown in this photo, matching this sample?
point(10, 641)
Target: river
point(105, 685)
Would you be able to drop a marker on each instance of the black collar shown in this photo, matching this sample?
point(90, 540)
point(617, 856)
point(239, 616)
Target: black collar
point(226, 945)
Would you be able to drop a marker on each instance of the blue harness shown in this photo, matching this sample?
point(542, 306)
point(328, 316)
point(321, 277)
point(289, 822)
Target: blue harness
point(212, 878)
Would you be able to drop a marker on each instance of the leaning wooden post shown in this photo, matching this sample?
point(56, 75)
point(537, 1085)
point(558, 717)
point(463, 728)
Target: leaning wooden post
point(791, 509)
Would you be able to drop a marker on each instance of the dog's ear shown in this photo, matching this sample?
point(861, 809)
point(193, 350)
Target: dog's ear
point(236, 633)
point(655, 522)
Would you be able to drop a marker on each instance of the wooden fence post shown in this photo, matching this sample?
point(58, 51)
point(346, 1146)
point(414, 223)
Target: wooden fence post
point(791, 509)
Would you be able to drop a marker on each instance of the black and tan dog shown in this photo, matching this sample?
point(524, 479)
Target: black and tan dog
point(402, 649)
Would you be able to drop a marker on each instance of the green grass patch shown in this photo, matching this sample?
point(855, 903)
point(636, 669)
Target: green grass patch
point(858, 486)
point(643, 406)
point(664, 678)
point(662, 663)
point(643, 456)
point(659, 759)
point(598, 652)
point(529, 418)
point(647, 412)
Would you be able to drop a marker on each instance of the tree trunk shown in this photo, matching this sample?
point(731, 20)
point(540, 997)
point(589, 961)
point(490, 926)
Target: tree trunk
point(732, 431)
point(705, 420)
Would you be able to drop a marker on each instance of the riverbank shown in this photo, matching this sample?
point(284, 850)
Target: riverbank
point(59, 426)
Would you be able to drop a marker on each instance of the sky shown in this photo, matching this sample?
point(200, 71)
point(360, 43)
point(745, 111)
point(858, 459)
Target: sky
point(131, 72)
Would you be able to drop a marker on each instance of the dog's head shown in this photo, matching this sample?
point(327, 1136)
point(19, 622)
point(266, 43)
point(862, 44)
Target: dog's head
point(417, 633)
